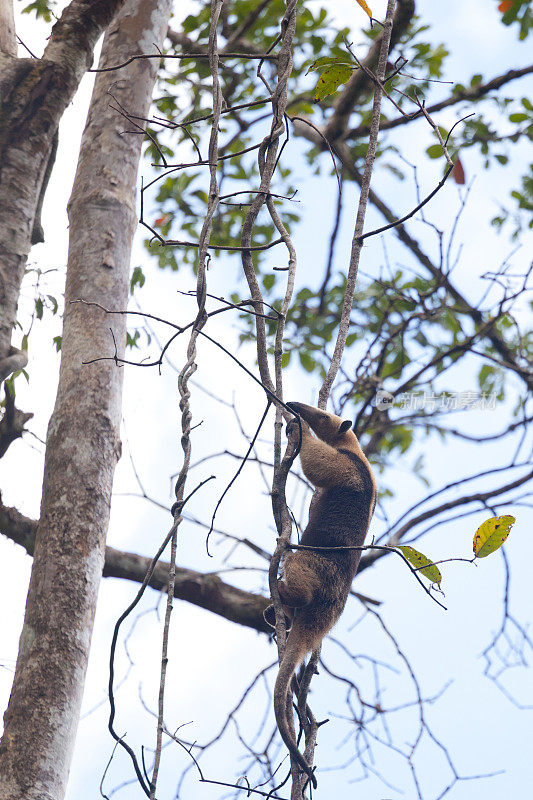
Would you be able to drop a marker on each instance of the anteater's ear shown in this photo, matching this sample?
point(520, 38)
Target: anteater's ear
point(345, 425)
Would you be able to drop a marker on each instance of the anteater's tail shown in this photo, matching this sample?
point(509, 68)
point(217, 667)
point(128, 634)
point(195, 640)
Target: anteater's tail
point(295, 651)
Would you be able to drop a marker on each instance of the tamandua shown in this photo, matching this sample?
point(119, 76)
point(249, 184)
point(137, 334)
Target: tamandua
point(315, 583)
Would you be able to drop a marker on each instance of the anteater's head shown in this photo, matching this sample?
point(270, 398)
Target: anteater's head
point(328, 427)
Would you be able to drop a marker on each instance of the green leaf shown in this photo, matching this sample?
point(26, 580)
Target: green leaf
point(42, 9)
point(137, 279)
point(53, 303)
point(327, 61)
point(421, 563)
point(306, 361)
point(132, 339)
point(285, 358)
point(434, 151)
point(268, 281)
point(331, 79)
point(58, 340)
point(39, 308)
point(519, 117)
point(491, 534)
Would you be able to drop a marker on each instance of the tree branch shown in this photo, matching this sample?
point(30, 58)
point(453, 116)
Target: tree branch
point(470, 93)
point(204, 590)
point(357, 243)
point(360, 82)
point(12, 423)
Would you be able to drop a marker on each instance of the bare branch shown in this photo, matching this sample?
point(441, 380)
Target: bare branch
point(476, 497)
point(357, 243)
point(458, 96)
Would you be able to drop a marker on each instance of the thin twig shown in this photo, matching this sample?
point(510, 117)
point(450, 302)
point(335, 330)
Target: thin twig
point(411, 213)
point(357, 243)
point(239, 470)
point(190, 366)
point(179, 56)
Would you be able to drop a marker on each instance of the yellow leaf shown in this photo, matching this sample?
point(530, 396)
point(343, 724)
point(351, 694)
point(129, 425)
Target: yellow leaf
point(492, 534)
point(421, 563)
point(365, 7)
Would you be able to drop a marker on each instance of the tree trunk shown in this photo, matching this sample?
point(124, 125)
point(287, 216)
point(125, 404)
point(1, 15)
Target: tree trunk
point(8, 38)
point(33, 96)
point(83, 441)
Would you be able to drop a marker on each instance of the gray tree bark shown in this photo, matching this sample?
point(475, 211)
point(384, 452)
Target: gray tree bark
point(8, 38)
point(83, 436)
point(33, 96)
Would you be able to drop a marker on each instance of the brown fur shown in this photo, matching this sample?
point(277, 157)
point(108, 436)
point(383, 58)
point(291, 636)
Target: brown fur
point(315, 584)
